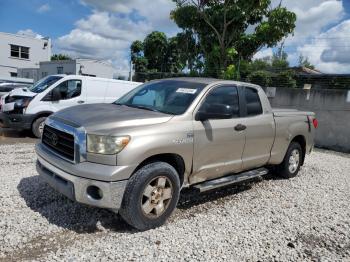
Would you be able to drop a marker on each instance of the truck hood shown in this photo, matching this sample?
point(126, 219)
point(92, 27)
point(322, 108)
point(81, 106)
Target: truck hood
point(108, 118)
point(21, 92)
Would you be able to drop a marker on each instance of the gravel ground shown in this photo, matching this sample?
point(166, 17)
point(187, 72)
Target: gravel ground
point(304, 218)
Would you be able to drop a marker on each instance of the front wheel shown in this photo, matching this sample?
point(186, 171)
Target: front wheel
point(292, 161)
point(151, 196)
point(38, 127)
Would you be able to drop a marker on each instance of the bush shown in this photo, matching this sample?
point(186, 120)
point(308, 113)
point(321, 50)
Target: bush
point(284, 79)
point(261, 78)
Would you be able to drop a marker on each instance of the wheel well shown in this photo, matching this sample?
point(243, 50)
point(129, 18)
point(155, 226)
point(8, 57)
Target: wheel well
point(43, 114)
point(174, 160)
point(302, 142)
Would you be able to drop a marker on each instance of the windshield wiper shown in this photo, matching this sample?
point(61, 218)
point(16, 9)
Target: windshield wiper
point(145, 108)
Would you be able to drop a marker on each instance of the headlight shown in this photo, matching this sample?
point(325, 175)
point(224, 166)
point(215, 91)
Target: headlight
point(107, 145)
point(23, 102)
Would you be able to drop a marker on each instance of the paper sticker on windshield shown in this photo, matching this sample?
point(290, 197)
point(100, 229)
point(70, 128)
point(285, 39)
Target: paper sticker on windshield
point(186, 90)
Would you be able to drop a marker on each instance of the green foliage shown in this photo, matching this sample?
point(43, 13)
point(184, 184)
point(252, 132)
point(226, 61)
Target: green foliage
point(270, 71)
point(285, 79)
point(137, 58)
point(158, 54)
point(262, 78)
point(140, 64)
point(57, 57)
point(155, 47)
point(248, 67)
point(221, 28)
point(215, 42)
point(189, 51)
point(230, 72)
point(136, 49)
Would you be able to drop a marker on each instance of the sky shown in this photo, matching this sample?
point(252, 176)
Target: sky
point(104, 29)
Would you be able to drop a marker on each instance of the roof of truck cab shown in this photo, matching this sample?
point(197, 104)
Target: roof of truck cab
point(207, 81)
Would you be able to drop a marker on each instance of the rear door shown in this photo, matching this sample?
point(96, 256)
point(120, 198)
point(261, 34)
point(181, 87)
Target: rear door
point(117, 89)
point(218, 147)
point(260, 129)
point(96, 91)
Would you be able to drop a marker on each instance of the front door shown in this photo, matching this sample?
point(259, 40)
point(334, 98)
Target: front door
point(71, 94)
point(218, 147)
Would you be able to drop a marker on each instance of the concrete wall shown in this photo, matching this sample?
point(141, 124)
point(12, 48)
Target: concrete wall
point(332, 108)
point(39, 50)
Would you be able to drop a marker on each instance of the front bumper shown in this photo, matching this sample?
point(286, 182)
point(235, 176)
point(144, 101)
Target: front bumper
point(76, 188)
point(16, 121)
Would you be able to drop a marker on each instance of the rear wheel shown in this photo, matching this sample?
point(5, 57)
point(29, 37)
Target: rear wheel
point(150, 196)
point(292, 161)
point(38, 126)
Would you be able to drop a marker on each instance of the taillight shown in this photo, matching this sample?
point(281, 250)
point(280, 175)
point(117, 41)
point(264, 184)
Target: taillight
point(315, 123)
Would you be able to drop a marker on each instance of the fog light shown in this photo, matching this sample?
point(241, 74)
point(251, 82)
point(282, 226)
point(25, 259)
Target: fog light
point(94, 192)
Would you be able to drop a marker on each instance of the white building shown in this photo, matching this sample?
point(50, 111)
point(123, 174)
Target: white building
point(21, 51)
point(80, 66)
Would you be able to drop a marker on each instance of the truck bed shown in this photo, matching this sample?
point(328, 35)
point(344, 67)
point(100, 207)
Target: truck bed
point(280, 112)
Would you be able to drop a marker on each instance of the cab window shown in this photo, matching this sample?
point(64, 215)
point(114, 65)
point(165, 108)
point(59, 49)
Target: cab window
point(223, 97)
point(252, 100)
point(69, 89)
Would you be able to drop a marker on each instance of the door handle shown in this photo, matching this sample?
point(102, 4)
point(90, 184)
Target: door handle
point(81, 102)
point(240, 127)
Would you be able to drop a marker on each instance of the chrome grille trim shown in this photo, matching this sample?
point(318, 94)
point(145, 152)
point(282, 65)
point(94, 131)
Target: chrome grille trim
point(79, 135)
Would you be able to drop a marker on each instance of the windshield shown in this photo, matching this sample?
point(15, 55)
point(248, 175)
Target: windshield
point(44, 83)
point(166, 96)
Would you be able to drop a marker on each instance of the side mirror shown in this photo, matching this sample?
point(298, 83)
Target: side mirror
point(216, 111)
point(55, 94)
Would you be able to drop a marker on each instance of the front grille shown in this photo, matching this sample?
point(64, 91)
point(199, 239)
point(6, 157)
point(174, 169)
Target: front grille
point(60, 142)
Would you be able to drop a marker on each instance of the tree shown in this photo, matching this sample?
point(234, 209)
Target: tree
point(304, 62)
point(56, 57)
point(189, 51)
point(137, 58)
point(155, 48)
point(160, 56)
point(221, 26)
point(173, 63)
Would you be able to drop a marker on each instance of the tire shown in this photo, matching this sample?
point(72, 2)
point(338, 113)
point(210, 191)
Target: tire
point(37, 127)
point(292, 161)
point(141, 206)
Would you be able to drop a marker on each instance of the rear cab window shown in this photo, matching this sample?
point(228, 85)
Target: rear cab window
point(252, 101)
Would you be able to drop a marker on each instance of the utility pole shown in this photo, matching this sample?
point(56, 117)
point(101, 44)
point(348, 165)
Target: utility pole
point(131, 71)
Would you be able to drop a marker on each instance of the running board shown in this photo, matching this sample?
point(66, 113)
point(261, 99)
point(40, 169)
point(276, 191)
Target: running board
point(232, 179)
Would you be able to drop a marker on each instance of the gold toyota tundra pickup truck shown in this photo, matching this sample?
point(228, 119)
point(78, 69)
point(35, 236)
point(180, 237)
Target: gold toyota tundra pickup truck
point(133, 156)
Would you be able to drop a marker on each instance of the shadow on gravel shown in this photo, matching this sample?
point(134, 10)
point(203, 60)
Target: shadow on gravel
point(63, 212)
point(9, 136)
point(190, 198)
